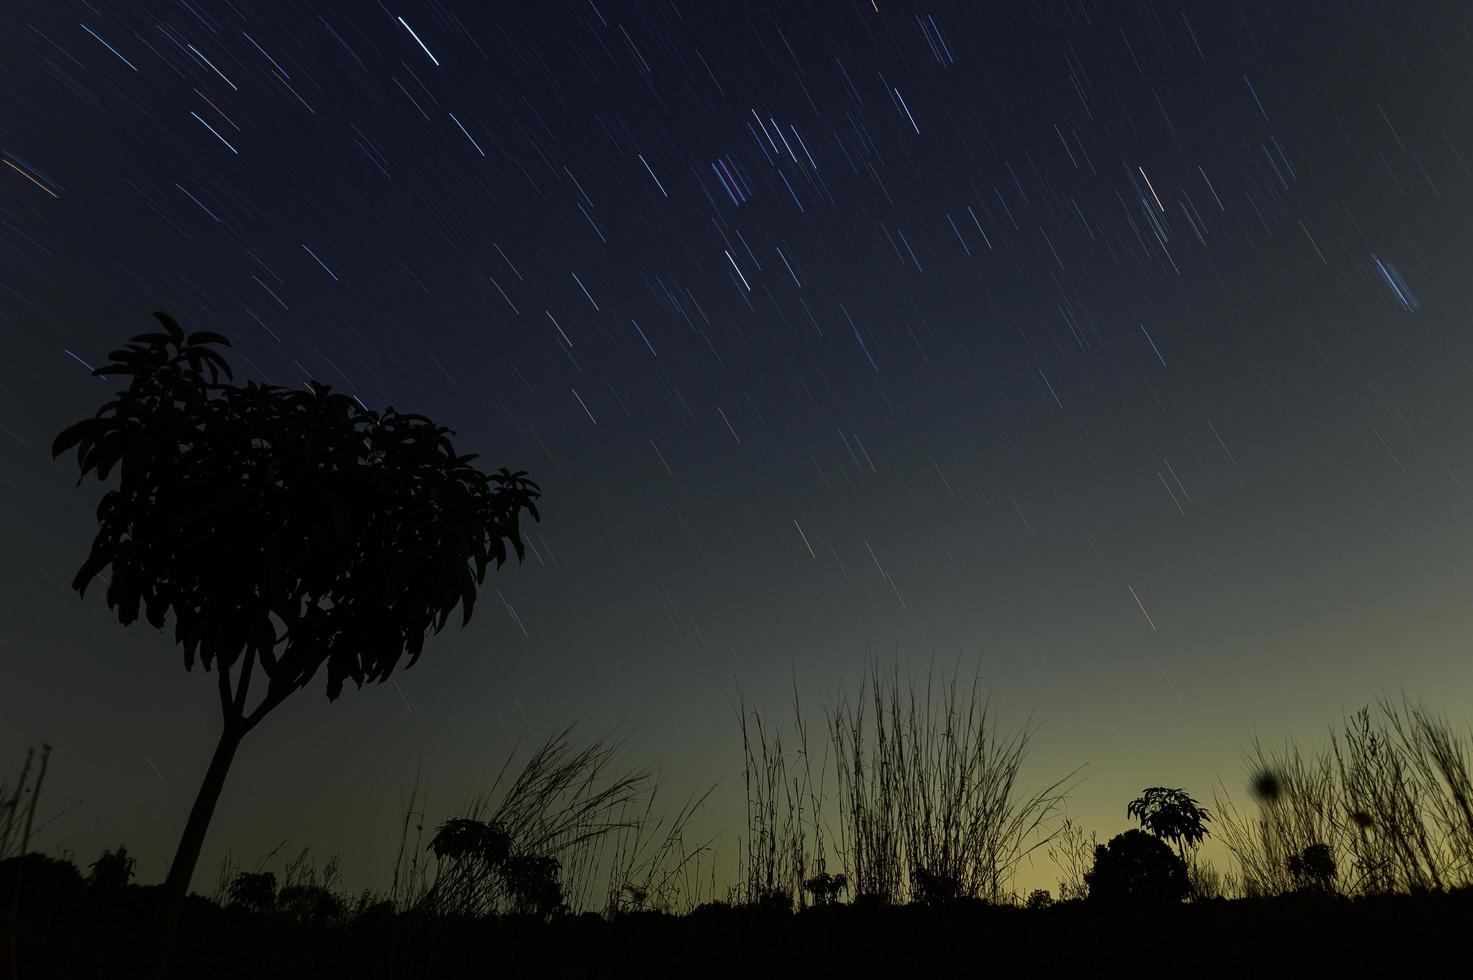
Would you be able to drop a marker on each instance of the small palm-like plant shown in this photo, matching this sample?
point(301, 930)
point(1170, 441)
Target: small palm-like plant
point(1171, 815)
point(461, 839)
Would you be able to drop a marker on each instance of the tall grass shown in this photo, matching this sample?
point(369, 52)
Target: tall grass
point(1073, 853)
point(1390, 793)
point(18, 804)
point(17, 821)
point(784, 839)
point(927, 797)
point(566, 803)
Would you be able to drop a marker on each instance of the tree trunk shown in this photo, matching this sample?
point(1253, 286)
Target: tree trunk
point(176, 886)
point(187, 855)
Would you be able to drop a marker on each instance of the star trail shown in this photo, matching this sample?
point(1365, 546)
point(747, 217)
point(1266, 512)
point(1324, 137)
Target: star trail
point(1121, 347)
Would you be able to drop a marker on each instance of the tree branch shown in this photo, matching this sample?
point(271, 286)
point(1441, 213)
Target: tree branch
point(245, 682)
point(274, 696)
point(223, 681)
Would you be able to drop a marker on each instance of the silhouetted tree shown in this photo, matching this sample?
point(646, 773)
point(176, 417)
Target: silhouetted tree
point(286, 530)
point(1171, 815)
point(1039, 898)
point(1135, 867)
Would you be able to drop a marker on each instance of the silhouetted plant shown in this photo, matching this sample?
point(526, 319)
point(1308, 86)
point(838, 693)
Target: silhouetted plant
point(1171, 815)
point(253, 892)
point(649, 855)
point(1074, 855)
point(1039, 898)
point(1204, 882)
point(1391, 796)
point(775, 902)
point(286, 530)
point(17, 818)
point(1313, 868)
point(111, 872)
point(534, 883)
point(51, 885)
point(938, 791)
point(563, 804)
point(783, 812)
point(18, 804)
point(309, 905)
point(826, 888)
point(460, 839)
point(637, 896)
point(1135, 867)
point(933, 888)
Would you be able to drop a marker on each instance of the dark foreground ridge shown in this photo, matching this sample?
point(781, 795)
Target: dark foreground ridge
point(1298, 935)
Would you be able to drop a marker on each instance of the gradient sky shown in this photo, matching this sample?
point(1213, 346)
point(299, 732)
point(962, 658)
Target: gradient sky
point(1119, 348)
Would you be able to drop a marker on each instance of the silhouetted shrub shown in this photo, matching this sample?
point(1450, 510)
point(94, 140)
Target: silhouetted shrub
point(461, 838)
point(48, 886)
point(1039, 898)
point(379, 913)
point(253, 892)
point(1313, 868)
point(534, 882)
point(825, 887)
point(1135, 867)
point(111, 872)
point(933, 887)
point(775, 902)
point(711, 912)
point(309, 904)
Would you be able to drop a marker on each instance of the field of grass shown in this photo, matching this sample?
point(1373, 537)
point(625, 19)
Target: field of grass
point(882, 843)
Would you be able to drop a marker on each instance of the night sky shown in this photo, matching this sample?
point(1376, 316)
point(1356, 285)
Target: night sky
point(1118, 350)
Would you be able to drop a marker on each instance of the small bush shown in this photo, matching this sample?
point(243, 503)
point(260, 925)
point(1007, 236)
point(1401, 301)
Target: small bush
point(111, 872)
point(1039, 898)
point(309, 905)
point(775, 902)
point(826, 887)
point(934, 888)
point(47, 886)
point(534, 882)
point(1313, 868)
point(1134, 868)
point(253, 892)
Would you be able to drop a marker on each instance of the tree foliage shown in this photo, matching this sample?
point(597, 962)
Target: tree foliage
point(289, 528)
point(1171, 815)
point(1135, 867)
